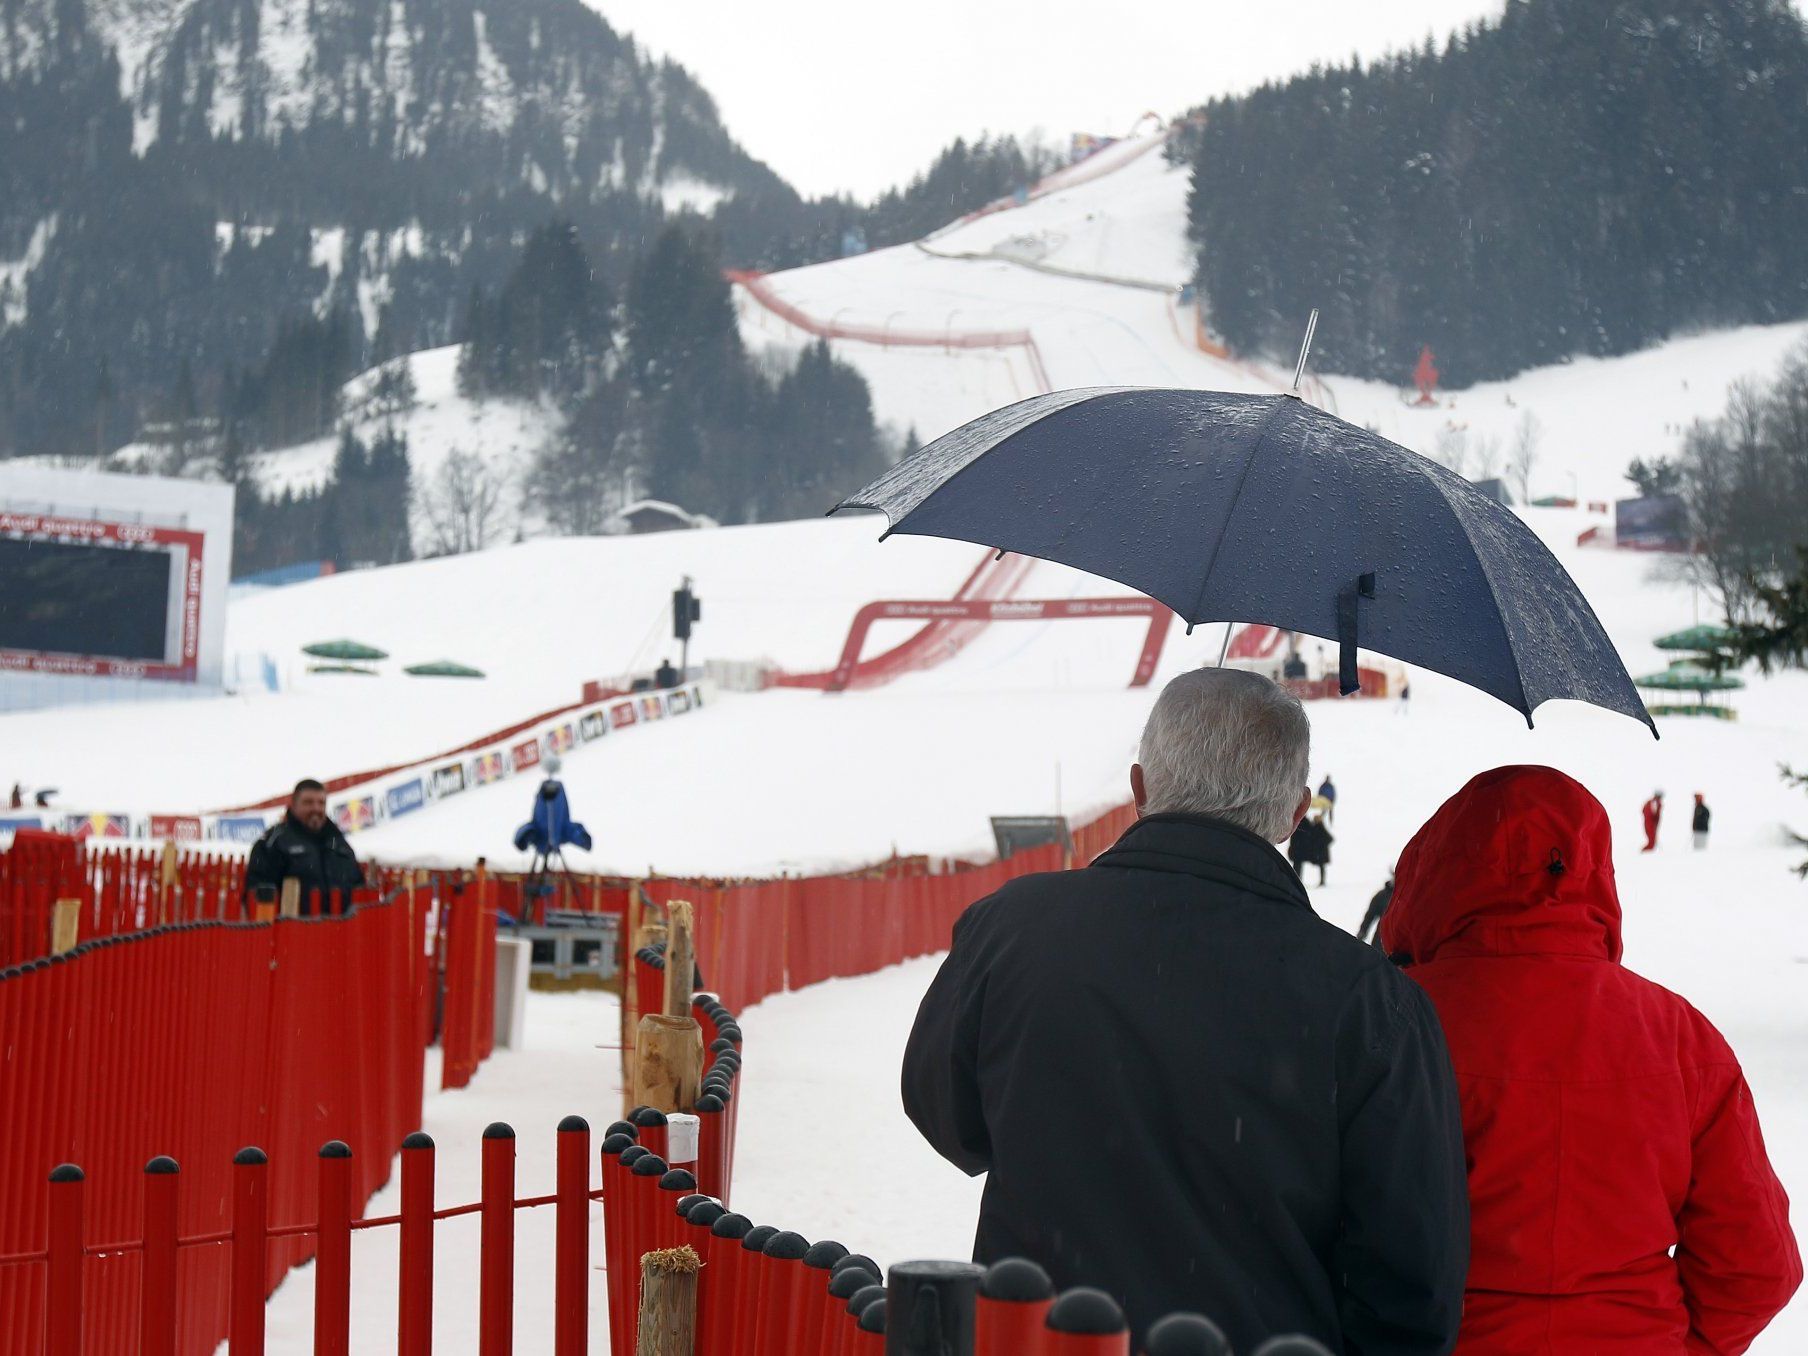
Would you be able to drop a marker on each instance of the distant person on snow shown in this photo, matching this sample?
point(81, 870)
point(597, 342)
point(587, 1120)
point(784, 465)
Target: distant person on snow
point(1186, 1088)
point(1370, 931)
point(666, 676)
point(1403, 707)
point(1619, 1190)
point(1653, 810)
point(1700, 823)
point(18, 799)
point(1311, 846)
point(308, 847)
point(1327, 792)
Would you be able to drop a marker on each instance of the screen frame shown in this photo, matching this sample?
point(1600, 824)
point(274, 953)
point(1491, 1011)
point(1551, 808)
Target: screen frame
point(184, 614)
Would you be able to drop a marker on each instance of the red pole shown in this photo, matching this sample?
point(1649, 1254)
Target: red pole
point(747, 1287)
point(157, 1276)
point(63, 1289)
point(674, 1185)
point(250, 1242)
point(333, 1260)
point(1012, 1309)
point(571, 1261)
point(496, 1285)
point(1086, 1322)
point(615, 1231)
point(414, 1287)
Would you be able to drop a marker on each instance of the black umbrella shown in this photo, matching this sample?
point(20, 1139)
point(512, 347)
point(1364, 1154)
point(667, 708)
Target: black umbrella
point(1265, 509)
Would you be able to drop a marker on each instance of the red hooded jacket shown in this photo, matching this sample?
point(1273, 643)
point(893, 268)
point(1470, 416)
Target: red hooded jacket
point(1620, 1197)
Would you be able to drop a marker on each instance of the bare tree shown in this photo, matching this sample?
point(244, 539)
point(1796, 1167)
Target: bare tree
point(1523, 460)
point(1452, 448)
point(462, 505)
point(1487, 458)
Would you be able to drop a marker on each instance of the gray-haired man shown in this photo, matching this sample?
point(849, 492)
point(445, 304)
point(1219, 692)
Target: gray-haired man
point(1189, 1090)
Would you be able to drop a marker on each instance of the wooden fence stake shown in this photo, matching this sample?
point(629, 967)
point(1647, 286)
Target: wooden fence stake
point(668, 1062)
point(65, 925)
point(291, 897)
point(680, 960)
point(166, 881)
point(668, 1303)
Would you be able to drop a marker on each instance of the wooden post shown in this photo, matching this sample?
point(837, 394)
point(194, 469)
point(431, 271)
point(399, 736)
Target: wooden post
point(166, 880)
point(680, 960)
point(291, 897)
point(65, 924)
point(668, 1062)
point(668, 1303)
point(263, 905)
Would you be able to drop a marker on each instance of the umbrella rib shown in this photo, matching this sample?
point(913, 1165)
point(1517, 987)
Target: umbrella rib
point(1236, 497)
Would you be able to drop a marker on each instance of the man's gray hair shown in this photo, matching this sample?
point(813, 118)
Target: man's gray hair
point(1229, 744)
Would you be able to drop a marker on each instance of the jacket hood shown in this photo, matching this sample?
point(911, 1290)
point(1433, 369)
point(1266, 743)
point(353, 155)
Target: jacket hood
point(1519, 862)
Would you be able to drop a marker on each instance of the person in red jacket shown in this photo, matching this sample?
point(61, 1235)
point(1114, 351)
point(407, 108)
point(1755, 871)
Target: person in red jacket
point(1620, 1197)
point(1653, 810)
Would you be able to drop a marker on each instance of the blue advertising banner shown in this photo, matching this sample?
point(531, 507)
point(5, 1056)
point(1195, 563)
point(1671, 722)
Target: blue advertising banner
point(406, 798)
point(239, 828)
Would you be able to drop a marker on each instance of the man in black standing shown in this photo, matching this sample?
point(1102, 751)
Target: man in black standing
point(307, 846)
point(1186, 1088)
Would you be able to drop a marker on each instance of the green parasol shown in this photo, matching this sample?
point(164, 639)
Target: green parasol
point(1700, 639)
point(443, 668)
point(344, 649)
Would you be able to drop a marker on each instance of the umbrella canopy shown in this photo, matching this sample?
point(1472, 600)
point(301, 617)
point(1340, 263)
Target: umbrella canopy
point(1265, 509)
point(443, 668)
point(1699, 639)
point(344, 649)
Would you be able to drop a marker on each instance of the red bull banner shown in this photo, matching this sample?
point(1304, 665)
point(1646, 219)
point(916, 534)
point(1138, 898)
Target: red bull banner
point(651, 708)
point(358, 813)
point(560, 738)
point(487, 768)
point(98, 826)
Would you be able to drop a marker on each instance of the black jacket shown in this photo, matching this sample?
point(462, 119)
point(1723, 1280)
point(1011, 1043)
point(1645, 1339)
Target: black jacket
point(1192, 1092)
point(1311, 842)
point(1370, 931)
point(320, 861)
point(1702, 816)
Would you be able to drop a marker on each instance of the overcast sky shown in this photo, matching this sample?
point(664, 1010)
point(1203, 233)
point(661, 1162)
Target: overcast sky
point(855, 95)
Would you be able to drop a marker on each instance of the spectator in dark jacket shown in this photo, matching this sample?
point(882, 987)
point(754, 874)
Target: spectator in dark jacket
point(1623, 1202)
point(1370, 931)
point(1700, 822)
point(1311, 846)
point(666, 676)
point(307, 846)
point(1186, 1088)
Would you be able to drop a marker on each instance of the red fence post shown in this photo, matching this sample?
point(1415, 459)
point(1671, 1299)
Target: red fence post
point(157, 1277)
point(63, 1292)
point(496, 1300)
point(333, 1258)
point(571, 1262)
point(414, 1288)
point(250, 1247)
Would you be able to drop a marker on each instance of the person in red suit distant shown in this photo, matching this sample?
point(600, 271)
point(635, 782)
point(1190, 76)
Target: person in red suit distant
point(1654, 811)
point(1621, 1202)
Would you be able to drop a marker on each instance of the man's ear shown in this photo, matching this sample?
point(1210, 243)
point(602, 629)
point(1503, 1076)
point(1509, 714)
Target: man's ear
point(1299, 811)
point(1138, 791)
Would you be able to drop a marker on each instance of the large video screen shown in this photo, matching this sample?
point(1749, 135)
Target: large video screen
point(106, 601)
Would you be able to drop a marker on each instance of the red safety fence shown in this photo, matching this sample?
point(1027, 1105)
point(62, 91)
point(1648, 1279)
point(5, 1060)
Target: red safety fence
point(120, 890)
point(191, 1040)
point(884, 335)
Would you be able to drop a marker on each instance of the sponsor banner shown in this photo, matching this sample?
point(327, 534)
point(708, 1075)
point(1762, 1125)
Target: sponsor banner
point(98, 826)
point(8, 823)
point(592, 725)
point(183, 828)
point(678, 702)
point(622, 714)
point(1659, 522)
point(240, 828)
point(525, 754)
point(696, 698)
point(652, 708)
point(448, 780)
point(560, 738)
point(360, 812)
point(405, 798)
point(487, 768)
